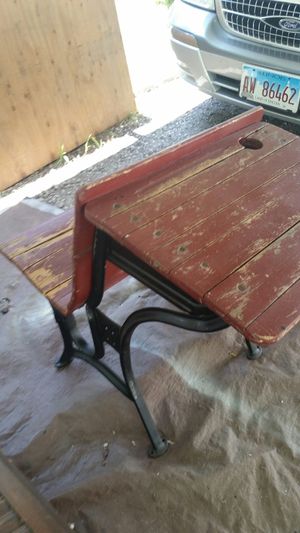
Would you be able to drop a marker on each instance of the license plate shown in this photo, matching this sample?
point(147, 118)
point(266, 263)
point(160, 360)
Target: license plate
point(270, 87)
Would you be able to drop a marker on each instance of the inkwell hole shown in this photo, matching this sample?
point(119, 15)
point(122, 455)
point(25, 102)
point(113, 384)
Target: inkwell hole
point(252, 144)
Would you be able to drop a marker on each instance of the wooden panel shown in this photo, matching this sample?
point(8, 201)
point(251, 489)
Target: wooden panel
point(184, 193)
point(60, 296)
point(52, 271)
point(39, 234)
point(42, 251)
point(65, 76)
point(284, 313)
point(201, 198)
point(244, 295)
point(229, 214)
point(130, 203)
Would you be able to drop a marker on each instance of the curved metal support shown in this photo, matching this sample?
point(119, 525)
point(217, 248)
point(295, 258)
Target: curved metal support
point(106, 372)
point(173, 318)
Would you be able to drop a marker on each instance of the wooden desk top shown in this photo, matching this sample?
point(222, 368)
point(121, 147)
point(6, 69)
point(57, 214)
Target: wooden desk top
point(223, 227)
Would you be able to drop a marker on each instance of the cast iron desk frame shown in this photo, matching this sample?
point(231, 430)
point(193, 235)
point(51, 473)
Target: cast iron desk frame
point(193, 317)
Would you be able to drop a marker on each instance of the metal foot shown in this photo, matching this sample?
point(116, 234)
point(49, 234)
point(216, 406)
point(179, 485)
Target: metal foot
point(153, 453)
point(254, 351)
point(73, 341)
point(64, 360)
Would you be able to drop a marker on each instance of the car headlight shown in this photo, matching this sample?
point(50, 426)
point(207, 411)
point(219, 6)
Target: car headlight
point(205, 4)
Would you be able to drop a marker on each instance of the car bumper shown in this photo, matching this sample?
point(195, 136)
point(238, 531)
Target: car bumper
point(212, 57)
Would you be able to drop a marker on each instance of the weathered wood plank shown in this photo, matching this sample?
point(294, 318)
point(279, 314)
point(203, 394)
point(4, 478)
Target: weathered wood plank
point(38, 235)
point(284, 312)
point(9, 522)
point(184, 193)
point(216, 247)
point(169, 179)
point(43, 250)
point(60, 295)
point(52, 271)
point(239, 244)
point(197, 222)
point(249, 291)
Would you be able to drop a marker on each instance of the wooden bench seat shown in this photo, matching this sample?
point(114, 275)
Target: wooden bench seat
point(44, 255)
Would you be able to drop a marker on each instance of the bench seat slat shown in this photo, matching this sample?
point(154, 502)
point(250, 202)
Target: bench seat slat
point(45, 255)
point(53, 270)
point(39, 235)
point(39, 253)
point(60, 296)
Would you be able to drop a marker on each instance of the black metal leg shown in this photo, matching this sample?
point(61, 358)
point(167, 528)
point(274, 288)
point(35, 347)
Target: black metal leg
point(73, 341)
point(97, 337)
point(159, 443)
point(254, 351)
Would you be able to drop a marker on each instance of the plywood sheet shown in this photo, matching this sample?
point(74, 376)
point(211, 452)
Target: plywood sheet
point(65, 76)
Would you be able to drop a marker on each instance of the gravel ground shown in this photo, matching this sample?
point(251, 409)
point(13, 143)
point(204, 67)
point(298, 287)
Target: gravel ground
point(198, 119)
point(203, 116)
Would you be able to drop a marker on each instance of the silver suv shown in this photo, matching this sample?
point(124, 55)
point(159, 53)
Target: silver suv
point(243, 51)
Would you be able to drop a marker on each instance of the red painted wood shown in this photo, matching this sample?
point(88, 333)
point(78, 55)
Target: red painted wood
point(249, 291)
point(53, 270)
point(261, 221)
point(205, 214)
point(165, 200)
point(84, 230)
point(44, 250)
point(284, 312)
point(83, 241)
point(133, 196)
point(47, 230)
point(60, 296)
